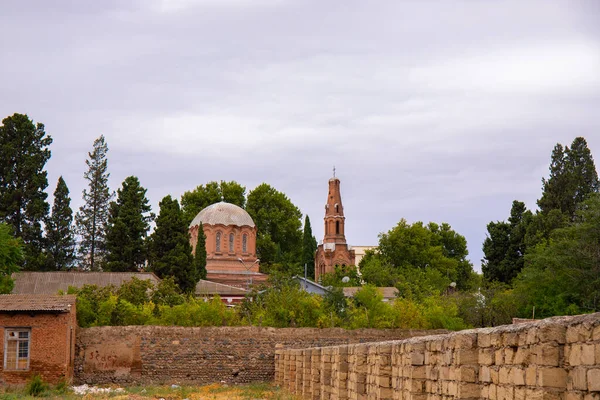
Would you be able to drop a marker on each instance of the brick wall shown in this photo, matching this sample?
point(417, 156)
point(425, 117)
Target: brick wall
point(51, 345)
point(152, 354)
point(556, 358)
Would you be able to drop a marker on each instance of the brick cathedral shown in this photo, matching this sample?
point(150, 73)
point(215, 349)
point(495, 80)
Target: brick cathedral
point(334, 250)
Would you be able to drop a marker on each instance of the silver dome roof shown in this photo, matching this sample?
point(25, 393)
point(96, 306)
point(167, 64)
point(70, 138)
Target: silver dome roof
point(224, 214)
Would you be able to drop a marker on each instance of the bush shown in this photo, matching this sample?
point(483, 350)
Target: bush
point(36, 386)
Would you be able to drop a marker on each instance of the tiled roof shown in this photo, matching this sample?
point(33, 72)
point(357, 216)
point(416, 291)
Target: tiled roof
point(386, 292)
point(224, 214)
point(33, 302)
point(52, 282)
point(211, 288)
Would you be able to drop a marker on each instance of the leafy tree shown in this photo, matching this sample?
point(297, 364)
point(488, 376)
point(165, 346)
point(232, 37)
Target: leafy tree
point(504, 248)
point(23, 153)
point(59, 230)
point(200, 253)
point(170, 250)
point(279, 238)
point(309, 247)
point(573, 178)
point(11, 256)
point(562, 276)
point(413, 250)
point(192, 202)
point(128, 224)
point(335, 278)
point(92, 217)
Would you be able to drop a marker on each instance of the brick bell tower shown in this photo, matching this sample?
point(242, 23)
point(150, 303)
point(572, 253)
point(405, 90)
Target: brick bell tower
point(333, 250)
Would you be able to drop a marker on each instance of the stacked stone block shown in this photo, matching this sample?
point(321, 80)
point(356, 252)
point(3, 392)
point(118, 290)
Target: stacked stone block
point(556, 358)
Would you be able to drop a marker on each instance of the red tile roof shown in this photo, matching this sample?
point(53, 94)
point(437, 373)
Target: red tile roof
point(36, 302)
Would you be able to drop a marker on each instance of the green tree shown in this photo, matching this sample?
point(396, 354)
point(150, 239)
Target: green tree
point(170, 250)
point(562, 275)
point(127, 229)
point(309, 247)
point(192, 202)
point(59, 230)
point(278, 220)
point(23, 153)
point(200, 253)
point(11, 256)
point(573, 178)
point(92, 217)
point(504, 248)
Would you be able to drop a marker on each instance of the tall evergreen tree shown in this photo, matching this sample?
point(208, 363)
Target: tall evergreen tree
point(93, 214)
point(504, 248)
point(128, 224)
point(573, 178)
point(309, 247)
point(200, 253)
point(11, 256)
point(59, 230)
point(170, 250)
point(23, 155)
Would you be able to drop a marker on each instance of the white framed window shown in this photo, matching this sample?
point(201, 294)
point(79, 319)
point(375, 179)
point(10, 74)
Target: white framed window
point(16, 348)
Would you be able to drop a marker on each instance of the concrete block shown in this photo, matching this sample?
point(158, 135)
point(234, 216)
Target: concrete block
point(486, 356)
point(531, 375)
point(578, 333)
point(466, 356)
point(552, 333)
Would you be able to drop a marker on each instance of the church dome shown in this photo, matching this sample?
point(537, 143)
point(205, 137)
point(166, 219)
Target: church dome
point(224, 214)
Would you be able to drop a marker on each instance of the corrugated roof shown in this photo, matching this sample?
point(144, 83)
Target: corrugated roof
point(211, 288)
point(386, 292)
point(36, 302)
point(224, 214)
point(52, 282)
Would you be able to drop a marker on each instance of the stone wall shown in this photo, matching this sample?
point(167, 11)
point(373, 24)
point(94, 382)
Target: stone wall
point(556, 358)
point(152, 354)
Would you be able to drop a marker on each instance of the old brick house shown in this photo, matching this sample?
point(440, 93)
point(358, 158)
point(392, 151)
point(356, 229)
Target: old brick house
point(38, 335)
point(230, 244)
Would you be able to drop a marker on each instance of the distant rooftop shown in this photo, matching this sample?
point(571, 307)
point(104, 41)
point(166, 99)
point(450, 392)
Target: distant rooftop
point(204, 287)
point(32, 302)
point(52, 282)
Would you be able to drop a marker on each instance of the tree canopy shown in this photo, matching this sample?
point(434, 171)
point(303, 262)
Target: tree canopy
point(24, 151)
point(170, 250)
point(11, 256)
point(278, 220)
point(127, 228)
point(59, 230)
point(92, 217)
point(309, 248)
point(192, 202)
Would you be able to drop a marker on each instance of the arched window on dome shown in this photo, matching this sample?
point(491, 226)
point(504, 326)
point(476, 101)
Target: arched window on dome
point(231, 239)
point(245, 243)
point(218, 241)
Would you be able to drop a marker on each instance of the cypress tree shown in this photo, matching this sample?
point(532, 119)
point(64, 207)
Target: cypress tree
point(200, 253)
point(573, 178)
point(128, 224)
point(309, 247)
point(23, 156)
point(170, 250)
point(59, 230)
point(93, 214)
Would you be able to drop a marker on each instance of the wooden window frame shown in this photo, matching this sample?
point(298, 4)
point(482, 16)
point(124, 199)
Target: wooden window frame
point(18, 339)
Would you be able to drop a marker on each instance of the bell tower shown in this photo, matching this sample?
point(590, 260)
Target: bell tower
point(334, 214)
point(333, 250)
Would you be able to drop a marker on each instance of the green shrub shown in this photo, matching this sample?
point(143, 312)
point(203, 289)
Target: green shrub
point(36, 386)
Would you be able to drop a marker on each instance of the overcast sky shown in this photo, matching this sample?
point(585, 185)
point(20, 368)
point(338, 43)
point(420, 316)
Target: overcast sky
point(430, 110)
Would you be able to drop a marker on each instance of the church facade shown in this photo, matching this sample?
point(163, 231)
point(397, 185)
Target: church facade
point(334, 249)
point(230, 245)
